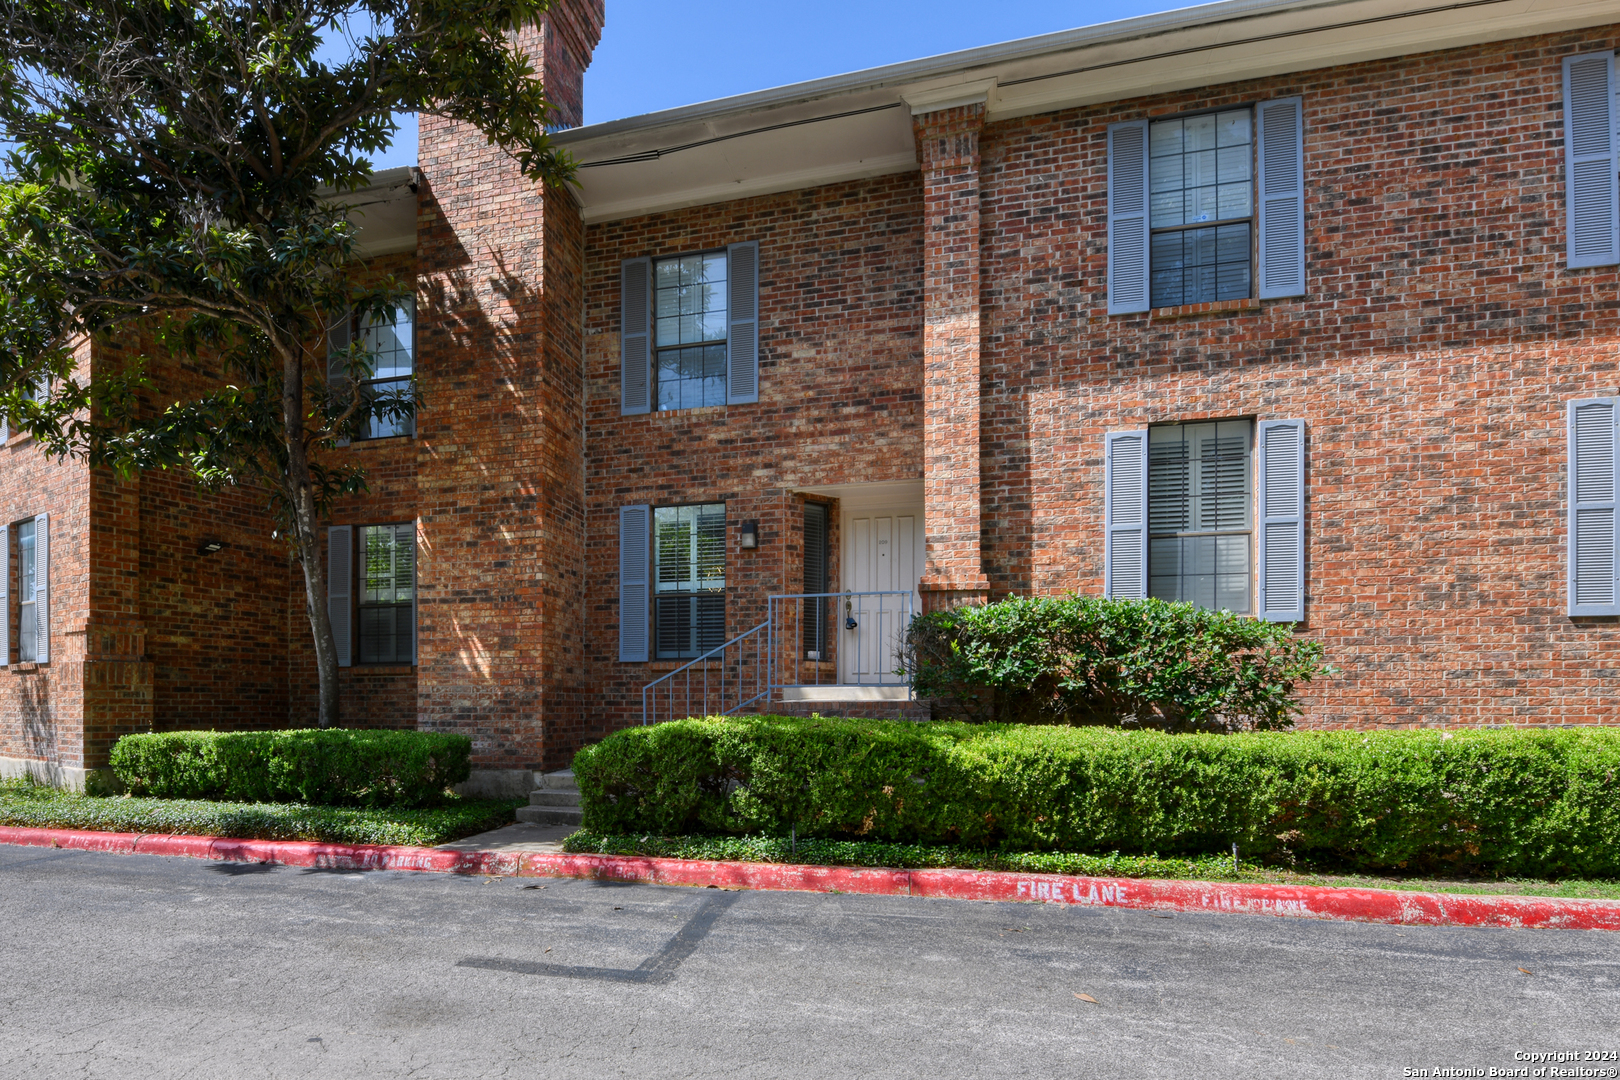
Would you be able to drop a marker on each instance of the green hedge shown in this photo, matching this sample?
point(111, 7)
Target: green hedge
point(334, 767)
point(1085, 660)
point(39, 807)
point(1542, 803)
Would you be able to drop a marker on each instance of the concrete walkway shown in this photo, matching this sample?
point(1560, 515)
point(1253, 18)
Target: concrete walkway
point(521, 836)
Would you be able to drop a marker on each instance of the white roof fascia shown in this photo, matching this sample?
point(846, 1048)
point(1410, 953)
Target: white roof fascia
point(857, 125)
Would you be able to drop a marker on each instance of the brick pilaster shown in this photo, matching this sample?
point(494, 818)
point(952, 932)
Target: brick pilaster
point(948, 146)
point(499, 470)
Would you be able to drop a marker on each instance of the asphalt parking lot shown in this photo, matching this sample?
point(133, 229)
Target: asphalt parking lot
point(144, 966)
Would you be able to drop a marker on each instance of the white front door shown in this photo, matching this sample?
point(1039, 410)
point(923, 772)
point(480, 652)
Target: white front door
point(883, 553)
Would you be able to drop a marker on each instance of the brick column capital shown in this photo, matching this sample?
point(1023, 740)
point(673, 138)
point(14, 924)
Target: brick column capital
point(948, 139)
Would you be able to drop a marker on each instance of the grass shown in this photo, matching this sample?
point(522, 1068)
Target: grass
point(28, 804)
point(820, 852)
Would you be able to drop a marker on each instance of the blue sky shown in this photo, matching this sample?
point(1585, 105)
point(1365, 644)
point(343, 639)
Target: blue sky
point(660, 55)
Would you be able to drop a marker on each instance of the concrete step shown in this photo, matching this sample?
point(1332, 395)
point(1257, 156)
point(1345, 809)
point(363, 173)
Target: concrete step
point(562, 779)
point(543, 797)
point(551, 815)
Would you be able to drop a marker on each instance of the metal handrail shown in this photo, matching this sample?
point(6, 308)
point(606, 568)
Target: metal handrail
point(892, 610)
point(761, 679)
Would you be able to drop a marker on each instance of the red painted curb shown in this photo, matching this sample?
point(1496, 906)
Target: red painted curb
point(1296, 901)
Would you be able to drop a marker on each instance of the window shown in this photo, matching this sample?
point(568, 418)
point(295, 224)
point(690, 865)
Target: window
point(387, 594)
point(1200, 518)
point(1207, 208)
point(689, 579)
point(1201, 207)
point(391, 343)
point(689, 331)
point(27, 593)
point(1211, 512)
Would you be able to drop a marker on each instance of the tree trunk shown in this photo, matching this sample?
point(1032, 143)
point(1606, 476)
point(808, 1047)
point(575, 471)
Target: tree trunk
point(301, 497)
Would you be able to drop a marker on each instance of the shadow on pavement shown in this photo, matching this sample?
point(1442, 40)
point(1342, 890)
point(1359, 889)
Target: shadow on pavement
point(658, 968)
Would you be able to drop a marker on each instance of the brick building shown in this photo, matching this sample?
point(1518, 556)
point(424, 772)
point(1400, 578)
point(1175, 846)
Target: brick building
point(1304, 309)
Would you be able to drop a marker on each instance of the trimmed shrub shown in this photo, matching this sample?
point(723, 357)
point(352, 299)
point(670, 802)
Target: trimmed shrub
point(1540, 803)
point(1083, 660)
point(334, 767)
point(39, 807)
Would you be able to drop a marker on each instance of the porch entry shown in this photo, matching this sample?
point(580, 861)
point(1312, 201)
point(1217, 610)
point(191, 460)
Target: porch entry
point(839, 638)
point(883, 558)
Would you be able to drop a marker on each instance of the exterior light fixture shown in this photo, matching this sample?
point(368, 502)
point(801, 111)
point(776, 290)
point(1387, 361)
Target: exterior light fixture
point(209, 547)
point(748, 536)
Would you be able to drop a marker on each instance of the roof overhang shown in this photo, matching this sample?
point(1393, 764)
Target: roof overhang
point(859, 125)
point(385, 211)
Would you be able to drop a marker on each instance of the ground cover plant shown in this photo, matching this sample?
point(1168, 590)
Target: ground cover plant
point(332, 767)
point(820, 852)
point(26, 804)
point(1499, 803)
point(1086, 660)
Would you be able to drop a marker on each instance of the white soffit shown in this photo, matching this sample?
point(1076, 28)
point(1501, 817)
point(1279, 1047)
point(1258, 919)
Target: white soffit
point(859, 125)
point(385, 210)
point(899, 496)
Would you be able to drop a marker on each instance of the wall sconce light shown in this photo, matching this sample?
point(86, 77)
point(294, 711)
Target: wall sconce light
point(748, 535)
point(209, 547)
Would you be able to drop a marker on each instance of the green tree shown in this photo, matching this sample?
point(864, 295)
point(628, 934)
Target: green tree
point(178, 169)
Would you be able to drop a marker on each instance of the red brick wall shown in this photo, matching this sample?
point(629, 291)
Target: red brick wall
point(840, 396)
point(369, 695)
point(42, 704)
point(1432, 358)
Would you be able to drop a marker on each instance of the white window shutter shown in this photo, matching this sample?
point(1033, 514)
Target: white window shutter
point(1594, 570)
point(1592, 204)
point(340, 588)
point(42, 588)
point(1125, 505)
point(742, 332)
point(1282, 520)
point(635, 336)
point(5, 596)
point(1281, 124)
point(1128, 217)
point(635, 541)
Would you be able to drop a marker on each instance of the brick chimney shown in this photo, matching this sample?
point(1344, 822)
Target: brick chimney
point(500, 486)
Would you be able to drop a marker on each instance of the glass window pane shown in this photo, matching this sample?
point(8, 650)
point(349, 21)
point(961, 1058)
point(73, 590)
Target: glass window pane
point(1164, 138)
point(1198, 133)
point(690, 578)
point(1233, 164)
point(25, 562)
point(1199, 520)
point(1208, 161)
point(1233, 200)
point(1232, 128)
point(1198, 169)
point(1166, 208)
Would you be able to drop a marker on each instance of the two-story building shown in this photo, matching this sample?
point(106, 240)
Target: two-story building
point(1309, 310)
